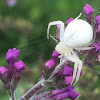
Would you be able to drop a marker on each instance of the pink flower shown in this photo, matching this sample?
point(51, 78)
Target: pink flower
point(69, 20)
point(88, 10)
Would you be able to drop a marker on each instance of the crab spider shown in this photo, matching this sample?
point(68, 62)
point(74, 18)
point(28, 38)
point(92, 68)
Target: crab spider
point(77, 35)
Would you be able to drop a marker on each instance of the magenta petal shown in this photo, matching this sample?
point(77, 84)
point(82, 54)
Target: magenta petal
point(62, 96)
point(73, 94)
point(96, 45)
point(68, 71)
point(97, 18)
point(50, 64)
point(3, 70)
point(55, 54)
point(68, 79)
point(12, 54)
point(19, 65)
point(88, 9)
point(56, 92)
point(69, 20)
point(98, 29)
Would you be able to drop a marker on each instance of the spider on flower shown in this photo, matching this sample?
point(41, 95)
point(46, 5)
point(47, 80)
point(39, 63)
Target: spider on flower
point(77, 35)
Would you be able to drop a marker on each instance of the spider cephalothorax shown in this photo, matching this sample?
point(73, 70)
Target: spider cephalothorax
point(76, 35)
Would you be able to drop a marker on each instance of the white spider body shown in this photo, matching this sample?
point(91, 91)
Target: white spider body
point(76, 35)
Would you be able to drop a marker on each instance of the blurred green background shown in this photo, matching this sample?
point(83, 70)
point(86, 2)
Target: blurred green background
point(24, 26)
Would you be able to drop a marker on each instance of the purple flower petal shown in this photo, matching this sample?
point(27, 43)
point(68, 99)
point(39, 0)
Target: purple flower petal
point(56, 92)
point(55, 54)
point(68, 71)
point(88, 10)
point(98, 29)
point(69, 20)
point(73, 94)
point(96, 45)
point(50, 64)
point(62, 96)
point(68, 79)
point(12, 55)
point(19, 65)
point(3, 70)
point(97, 18)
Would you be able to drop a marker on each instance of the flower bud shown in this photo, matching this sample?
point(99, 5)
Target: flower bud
point(88, 10)
point(12, 55)
point(98, 29)
point(19, 65)
point(69, 20)
point(68, 71)
point(97, 18)
point(97, 46)
point(55, 54)
point(50, 64)
point(3, 70)
point(68, 79)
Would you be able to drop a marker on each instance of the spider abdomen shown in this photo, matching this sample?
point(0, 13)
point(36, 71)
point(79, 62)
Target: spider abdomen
point(78, 33)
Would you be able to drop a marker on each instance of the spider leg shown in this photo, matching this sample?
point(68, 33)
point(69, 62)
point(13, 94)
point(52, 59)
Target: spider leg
point(55, 23)
point(73, 59)
point(74, 72)
point(79, 71)
point(79, 16)
point(53, 38)
point(79, 67)
point(85, 48)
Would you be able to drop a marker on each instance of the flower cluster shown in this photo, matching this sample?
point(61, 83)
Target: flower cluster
point(88, 10)
point(10, 77)
point(93, 56)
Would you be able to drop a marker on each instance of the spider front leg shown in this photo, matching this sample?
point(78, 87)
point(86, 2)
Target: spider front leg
point(61, 28)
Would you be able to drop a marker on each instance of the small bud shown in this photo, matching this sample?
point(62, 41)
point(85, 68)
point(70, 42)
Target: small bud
point(62, 96)
point(73, 94)
point(88, 10)
point(97, 18)
point(69, 20)
point(12, 55)
point(50, 64)
point(68, 79)
point(56, 92)
point(19, 65)
point(55, 54)
point(97, 46)
point(68, 71)
point(3, 70)
point(98, 29)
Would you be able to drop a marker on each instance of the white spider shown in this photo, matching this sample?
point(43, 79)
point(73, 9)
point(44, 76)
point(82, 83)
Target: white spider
point(76, 35)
